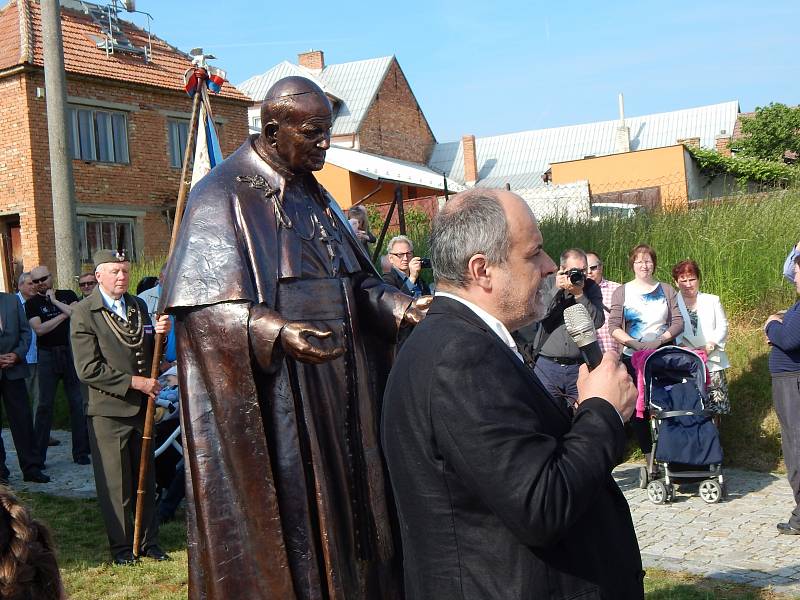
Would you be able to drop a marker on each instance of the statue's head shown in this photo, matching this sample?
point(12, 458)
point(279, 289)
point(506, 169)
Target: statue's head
point(296, 124)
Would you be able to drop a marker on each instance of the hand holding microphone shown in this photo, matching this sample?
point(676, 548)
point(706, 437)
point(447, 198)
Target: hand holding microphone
point(580, 327)
point(608, 378)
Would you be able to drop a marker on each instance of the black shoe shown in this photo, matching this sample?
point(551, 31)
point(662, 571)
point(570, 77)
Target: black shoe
point(36, 477)
point(4, 478)
point(53, 442)
point(125, 558)
point(83, 460)
point(156, 553)
point(788, 529)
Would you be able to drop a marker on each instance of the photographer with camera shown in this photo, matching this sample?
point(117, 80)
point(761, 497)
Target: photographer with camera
point(404, 274)
point(547, 343)
point(405, 267)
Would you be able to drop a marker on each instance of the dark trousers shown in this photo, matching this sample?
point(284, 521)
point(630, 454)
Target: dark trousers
point(116, 444)
point(172, 496)
point(56, 364)
point(786, 399)
point(20, 422)
point(639, 425)
point(560, 380)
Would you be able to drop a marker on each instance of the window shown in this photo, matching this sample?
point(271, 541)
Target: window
point(98, 233)
point(100, 135)
point(257, 122)
point(178, 133)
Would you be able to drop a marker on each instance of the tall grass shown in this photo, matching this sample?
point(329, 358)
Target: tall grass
point(740, 246)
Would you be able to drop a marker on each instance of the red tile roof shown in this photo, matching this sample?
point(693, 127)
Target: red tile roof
point(20, 22)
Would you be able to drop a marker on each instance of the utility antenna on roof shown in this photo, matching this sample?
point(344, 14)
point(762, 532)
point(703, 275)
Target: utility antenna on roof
point(113, 39)
point(622, 141)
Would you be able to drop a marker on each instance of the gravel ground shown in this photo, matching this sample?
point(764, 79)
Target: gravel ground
point(66, 478)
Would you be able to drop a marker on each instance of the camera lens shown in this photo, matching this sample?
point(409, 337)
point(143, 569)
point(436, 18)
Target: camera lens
point(576, 276)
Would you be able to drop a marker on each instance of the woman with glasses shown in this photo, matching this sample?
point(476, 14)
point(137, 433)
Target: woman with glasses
point(705, 326)
point(644, 315)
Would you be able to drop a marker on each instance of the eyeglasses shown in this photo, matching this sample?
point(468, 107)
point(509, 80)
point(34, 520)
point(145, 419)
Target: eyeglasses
point(402, 254)
point(41, 279)
point(643, 263)
point(593, 268)
point(87, 283)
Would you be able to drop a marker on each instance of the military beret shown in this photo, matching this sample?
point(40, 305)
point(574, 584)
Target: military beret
point(108, 256)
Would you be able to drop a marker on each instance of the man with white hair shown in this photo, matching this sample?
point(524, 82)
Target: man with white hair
point(112, 341)
point(406, 267)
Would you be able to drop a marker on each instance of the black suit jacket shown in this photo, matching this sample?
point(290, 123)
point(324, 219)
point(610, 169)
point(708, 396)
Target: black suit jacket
point(499, 493)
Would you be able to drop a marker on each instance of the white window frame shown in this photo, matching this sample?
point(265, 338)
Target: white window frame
point(98, 134)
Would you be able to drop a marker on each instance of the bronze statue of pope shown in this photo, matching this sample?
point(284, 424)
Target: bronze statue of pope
point(285, 333)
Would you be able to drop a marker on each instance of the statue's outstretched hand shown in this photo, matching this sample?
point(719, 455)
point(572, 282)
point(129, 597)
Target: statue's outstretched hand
point(296, 343)
point(417, 311)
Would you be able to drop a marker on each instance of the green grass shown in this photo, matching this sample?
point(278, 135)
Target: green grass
point(740, 245)
point(83, 558)
point(665, 585)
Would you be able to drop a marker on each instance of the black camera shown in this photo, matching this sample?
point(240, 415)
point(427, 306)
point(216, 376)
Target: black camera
point(425, 263)
point(576, 276)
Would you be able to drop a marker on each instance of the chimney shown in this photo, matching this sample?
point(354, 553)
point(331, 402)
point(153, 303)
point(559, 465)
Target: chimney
point(313, 60)
point(622, 139)
point(470, 160)
point(721, 144)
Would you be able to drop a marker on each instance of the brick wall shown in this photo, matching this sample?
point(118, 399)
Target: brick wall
point(148, 183)
point(16, 170)
point(395, 125)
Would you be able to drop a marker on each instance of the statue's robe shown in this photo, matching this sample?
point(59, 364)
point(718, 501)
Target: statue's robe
point(287, 494)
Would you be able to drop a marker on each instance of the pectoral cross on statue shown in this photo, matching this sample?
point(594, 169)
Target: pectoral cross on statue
point(329, 240)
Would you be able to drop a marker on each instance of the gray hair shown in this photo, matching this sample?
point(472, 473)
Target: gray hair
point(399, 238)
point(23, 277)
point(476, 225)
point(572, 253)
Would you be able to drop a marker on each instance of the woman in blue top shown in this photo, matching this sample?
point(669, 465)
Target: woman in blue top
point(644, 315)
point(783, 333)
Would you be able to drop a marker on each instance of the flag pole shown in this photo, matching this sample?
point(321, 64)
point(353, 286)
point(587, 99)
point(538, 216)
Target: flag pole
point(147, 436)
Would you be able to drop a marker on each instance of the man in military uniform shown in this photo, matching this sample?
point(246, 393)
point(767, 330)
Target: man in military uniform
point(112, 342)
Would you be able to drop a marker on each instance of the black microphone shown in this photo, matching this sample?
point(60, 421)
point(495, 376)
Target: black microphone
point(580, 327)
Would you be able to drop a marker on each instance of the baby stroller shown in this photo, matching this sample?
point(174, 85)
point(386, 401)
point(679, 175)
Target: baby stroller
point(686, 442)
point(168, 450)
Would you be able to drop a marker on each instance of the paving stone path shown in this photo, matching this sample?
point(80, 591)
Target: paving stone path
point(735, 540)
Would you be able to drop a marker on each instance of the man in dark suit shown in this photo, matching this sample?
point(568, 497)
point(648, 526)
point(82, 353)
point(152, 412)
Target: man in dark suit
point(15, 337)
point(404, 274)
point(500, 492)
point(112, 342)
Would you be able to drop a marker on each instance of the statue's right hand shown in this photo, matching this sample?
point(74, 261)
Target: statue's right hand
point(295, 342)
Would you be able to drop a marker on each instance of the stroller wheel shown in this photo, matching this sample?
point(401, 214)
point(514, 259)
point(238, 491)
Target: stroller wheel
point(711, 491)
point(644, 478)
point(657, 492)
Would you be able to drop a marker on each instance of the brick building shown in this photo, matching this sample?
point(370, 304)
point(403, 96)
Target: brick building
point(380, 136)
point(128, 119)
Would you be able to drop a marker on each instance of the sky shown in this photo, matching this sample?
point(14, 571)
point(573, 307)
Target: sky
point(488, 68)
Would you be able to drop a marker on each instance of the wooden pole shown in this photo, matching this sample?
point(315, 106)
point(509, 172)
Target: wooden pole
point(147, 436)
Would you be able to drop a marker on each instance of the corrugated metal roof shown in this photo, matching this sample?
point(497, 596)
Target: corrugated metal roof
point(524, 156)
point(388, 169)
point(353, 84)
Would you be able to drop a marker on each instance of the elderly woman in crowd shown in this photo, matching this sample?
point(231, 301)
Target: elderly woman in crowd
point(644, 315)
point(359, 220)
point(783, 334)
point(704, 326)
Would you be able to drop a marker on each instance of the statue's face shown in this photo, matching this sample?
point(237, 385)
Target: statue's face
point(305, 135)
